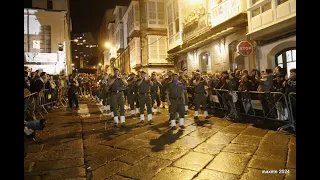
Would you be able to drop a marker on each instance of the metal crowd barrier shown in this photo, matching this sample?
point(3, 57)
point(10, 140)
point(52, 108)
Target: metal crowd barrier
point(46, 99)
point(266, 105)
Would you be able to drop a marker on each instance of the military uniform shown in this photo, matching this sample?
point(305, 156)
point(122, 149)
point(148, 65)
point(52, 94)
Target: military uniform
point(176, 97)
point(154, 93)
point(145, 98)
point(117, 99)
point(105, 95)
point(131, 94)
point(200, 98)
point(185, 92)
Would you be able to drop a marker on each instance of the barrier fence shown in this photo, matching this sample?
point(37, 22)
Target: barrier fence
point(265, 105)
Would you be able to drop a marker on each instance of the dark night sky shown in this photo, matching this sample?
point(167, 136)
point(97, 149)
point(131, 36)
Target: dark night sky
point(87, 15)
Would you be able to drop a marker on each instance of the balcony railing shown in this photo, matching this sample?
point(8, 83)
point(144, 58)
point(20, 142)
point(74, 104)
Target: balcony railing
point(261, 17)
point(196, 28)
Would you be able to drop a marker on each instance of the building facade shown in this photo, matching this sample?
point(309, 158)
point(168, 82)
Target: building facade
point(272, 24)
point(47, 30)
point(203, 35)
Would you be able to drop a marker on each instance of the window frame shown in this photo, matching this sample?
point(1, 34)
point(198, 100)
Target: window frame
point(285, 62)
point(156, 11)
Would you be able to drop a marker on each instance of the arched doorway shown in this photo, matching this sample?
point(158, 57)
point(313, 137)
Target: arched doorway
point(205, 62)
point(286, 59)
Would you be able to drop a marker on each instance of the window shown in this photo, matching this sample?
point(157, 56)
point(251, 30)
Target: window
point(266, 7)
point(281, 1)
point(286, 59)
point(256, 12)
point(155, 12)
point(49, 4)
point(157, 48)
point(170, 22)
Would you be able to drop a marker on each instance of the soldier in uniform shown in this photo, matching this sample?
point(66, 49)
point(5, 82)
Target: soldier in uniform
point(183, 79)
point(131, 92)
point(144, 84)
point(104, 93)
point(117, 85)
point(135, 92)
point(154, 91)
point(176, 101)
point(199, 96)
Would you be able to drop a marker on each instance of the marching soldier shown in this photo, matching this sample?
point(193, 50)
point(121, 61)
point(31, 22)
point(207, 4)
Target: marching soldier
point(184, 81)
point(154, 91)
point(176, 101)
point(117, 84)
point(105, 94)
point(132, 94)
point(199, 96)
point(144, 84)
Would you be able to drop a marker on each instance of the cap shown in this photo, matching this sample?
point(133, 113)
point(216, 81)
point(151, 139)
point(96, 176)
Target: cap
point(116, 69)
point(142, 72)
point(173, 74)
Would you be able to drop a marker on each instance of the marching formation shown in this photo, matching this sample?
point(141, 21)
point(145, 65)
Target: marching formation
point(141, 92)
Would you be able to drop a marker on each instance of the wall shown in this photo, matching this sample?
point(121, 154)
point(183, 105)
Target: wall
point(219, 53)
point(61, 5)
point(266, 54)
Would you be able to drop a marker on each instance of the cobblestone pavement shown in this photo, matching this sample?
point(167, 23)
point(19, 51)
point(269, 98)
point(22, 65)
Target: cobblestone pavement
point(83, 145)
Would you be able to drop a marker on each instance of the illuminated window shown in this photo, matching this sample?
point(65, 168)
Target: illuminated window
point(266, 7)
point(155, 12)
point(287, 59)
point(157, 47)
point(256, 12)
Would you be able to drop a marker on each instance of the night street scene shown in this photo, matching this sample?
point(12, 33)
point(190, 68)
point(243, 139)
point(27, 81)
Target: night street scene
point(160, 89)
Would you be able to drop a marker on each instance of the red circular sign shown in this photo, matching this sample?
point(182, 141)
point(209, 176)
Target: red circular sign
point(245, 48)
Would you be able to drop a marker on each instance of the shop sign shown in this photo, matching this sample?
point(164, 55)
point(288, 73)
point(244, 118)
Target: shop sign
point(224, 10)
point(245, 48)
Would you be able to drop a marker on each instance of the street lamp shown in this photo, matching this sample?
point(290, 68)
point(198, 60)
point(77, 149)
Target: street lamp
point(100, 64)
point(94, 67)
point(107, 45)
point(72, 64)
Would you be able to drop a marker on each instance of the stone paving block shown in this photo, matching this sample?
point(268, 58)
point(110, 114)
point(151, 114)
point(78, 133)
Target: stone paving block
point(132, 144)
point(95, 139)
point(78, 178)
point(265, 162)
point(207, 174)
point(135, 156)
point(117, 139)
point(240, 148)
point(291, 175)
point(193, 161)
point(63, 144)
point(276, 139)
point(233, 129)
point(96, 149)
point(229, 163)
point(28, 166)
point(148, 136)
point(65, 173)
point(188, 142)
point(209, 148)
point(256, 174)
point(34, 148)
point(146, 168)
point(98, 159)
point(272, 152)
point(57, 164)
point(221, 138)
point(108, 170)
point(248, 140)
point(54, 155)
point(174, 173)
point(253, 131)
point(203, 132)
point(117, 177)
point(169, 153)
point(291, 162)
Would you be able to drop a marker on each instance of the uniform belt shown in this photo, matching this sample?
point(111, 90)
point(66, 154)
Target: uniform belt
point(178, 98)
point(154, 91)
point(143, 93)
point(199, 93)
point(118, 91)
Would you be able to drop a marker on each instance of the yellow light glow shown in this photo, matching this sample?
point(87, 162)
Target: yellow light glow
point(94, 67)
point(107, 45)
point(72, 64)
point(100, 64)
point(76, 40)
point(193, 2)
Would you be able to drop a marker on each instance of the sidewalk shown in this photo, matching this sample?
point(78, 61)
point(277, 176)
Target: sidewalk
point(82, 145)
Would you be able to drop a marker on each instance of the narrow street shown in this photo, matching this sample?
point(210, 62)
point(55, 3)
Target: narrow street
point(83, 145)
